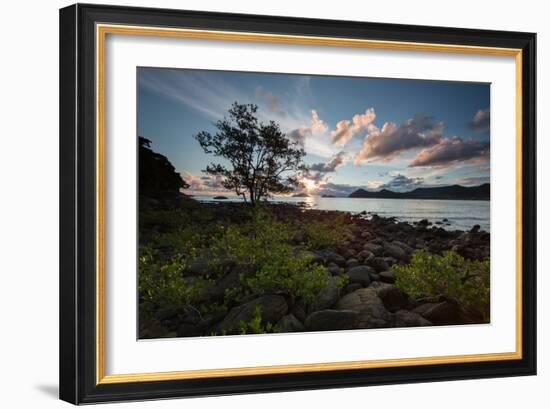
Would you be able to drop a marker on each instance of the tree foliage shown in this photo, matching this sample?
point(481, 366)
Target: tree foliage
point(448, 274)
point(261, 159)
point(157, 176)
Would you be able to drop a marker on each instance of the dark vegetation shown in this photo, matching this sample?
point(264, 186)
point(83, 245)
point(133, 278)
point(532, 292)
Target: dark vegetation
point(157, 176)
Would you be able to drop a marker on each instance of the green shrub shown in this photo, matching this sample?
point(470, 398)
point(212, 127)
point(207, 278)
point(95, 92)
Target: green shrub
point(326, 233)
point(163, 287)
point(448, 274)
point(267, 262)
point(255, 325)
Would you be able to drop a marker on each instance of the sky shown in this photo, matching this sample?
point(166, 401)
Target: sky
point(370, 133)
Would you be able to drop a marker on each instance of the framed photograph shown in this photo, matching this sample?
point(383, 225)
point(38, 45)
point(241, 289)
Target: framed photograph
point(257, 203)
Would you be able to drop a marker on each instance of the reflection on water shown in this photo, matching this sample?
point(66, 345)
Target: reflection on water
point(461, 214)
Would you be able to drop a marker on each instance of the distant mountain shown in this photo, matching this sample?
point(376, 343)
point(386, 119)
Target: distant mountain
point(454, 192)
point(301, 195)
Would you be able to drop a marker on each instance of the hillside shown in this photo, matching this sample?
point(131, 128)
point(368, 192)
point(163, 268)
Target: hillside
point(454, 192)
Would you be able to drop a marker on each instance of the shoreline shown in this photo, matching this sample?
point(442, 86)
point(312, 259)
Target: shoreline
point(355, 275)
point(443, 222)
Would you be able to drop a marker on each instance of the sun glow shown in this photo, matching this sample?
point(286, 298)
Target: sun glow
point(309, 185)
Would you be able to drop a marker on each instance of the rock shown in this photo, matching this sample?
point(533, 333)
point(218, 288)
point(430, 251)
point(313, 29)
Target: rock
point(404, 318)
point(318, 257)
point(360, 275)
point(329, 320)
point(475, 229)
point(328, 296)
point(188, 330)
point(351, 288)
point(365, 255)
point(273, 308)
point(442, 313)
point(217, 291)
point(423, 223)
point(375, 249)
point(387, 276)
point(393, 298)
point(333, 269)
point(404, 246)
point(335, 258)
point(374, 277)
point(390, 261)
point(347, 253)
point(289, 323)
point(370, 308)
point(352, 262)
point(379, 264)
point(299, 310)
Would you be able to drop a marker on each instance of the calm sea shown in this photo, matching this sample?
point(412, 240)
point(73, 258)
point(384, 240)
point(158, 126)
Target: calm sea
point(461, 214)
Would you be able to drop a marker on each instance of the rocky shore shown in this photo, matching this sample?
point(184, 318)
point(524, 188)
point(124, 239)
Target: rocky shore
point(361, 291)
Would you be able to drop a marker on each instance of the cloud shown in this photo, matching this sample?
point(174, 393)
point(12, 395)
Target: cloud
point(481, 121)
point(345, 129)
point(342, 134)
point(450, 151)
point(273, 102)
point(318, 126)
point(330, 166)
point(317, 172)
point(336, 189)
point(298, 135)
point(474, 180)
point(203, 184)
point(402, 183)
point(389, 141)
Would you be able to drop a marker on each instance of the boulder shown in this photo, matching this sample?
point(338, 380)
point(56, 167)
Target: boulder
point(351, 288)
point(404, 318)
point(335, 258)
point(441, 313)
point(369, 307)
point(333, 269)
point(387, 276)
point(379, 264)
point(352, 262)
point(365, 255)
point(404, 246)
point(327, 296)
point(360, 275)
point(289, 323)
point(475, 229)
point(299, 310)
point(374, 277)
point(217, 290)
point(393, 298)
point(374, 248)
point(328, 320)
point(273, 308)
point(395, 251)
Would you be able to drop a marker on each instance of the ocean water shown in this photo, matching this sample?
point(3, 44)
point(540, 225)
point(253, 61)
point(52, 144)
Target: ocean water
point(461, 214)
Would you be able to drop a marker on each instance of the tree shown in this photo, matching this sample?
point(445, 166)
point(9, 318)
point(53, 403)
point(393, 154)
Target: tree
point(262, 160)
point(157, 176)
